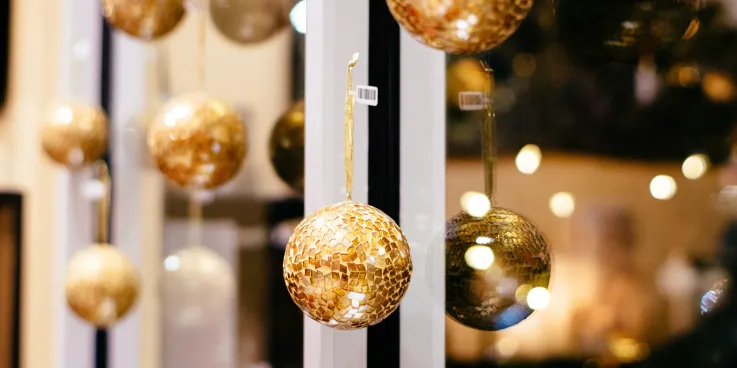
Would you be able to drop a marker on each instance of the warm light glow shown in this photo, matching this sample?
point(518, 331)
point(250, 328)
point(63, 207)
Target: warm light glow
point(695, 166)
point(538, 298)
point(719, 87)
point(479, 257)
point(507, 346)
point(475, 204)
point(171, 263)
point(528, 159)
point(524, 65)
point(663, 187)
point(298, 17)
point(562, 204)
point(483, 240)
point(64, 115)
point(628, 350)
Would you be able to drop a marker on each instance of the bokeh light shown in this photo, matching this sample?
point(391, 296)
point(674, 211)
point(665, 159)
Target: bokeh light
point(475, 204)
point(507, 346)
point(695, 166)
point(663, 187)
point(562, 204)
point(479, 257)
point(528, 159)
point(538, 298)
point(298, 17)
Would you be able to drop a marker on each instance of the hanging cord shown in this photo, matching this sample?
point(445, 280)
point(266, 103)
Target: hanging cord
point(489, 126)
point(103, 205)
point(201, 50)
point(348, 118)
point(195, 219)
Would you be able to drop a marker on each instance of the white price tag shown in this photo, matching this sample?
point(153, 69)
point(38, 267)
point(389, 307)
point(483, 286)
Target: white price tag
point(472, 101)
point(367, 95)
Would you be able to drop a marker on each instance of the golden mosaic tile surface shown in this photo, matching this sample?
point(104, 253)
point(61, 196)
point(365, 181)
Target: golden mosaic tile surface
point(144, 19)
point(487, 296)
point(101, 285)
point(461, 26)
point(75, 135)
point(347, 266)
point(197, 142)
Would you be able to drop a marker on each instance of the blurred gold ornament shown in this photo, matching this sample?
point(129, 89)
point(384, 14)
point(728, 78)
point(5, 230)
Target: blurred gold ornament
point(101, 285)
point(471, 27)
point(249, 21)
point(464, 75)
point(287, 146)
point(197, 141)
point(348, 265)
point(75, 135)
point(497, 263)
point(197, 284)
point(487, 260)
point(715, 298)
point(144, 19)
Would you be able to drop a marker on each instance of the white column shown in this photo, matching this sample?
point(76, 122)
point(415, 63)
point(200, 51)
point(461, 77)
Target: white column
point(138, 201)
point(335, 30)
point(422, 206)
point(79, 81)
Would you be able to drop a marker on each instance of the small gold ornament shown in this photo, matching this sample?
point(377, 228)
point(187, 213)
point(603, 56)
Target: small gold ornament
point(249, 21)
point(456, 28)
point(197, 141)
point(497, 263)
point(464, 75)
point(715, 298)
point(287, 146)
point(347, 265)
point(101, 285)
point(144, 19)
point(75, 135)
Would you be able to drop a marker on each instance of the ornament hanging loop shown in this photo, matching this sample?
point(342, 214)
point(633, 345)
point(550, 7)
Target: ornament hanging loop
point(195, 219)
point(350, 100)
point(103, 205)
point(488, 150)
point(201, 44)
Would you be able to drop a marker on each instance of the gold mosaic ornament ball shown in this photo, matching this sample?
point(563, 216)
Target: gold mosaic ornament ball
point(460, 27)
point(144, 19)
point(101, 285)
point(198, 142)
point(75, 135)
point(715, 298)
point(249, 21)
point(347, 266)
point(287, 147)
point(497, 269)
point(197, 284)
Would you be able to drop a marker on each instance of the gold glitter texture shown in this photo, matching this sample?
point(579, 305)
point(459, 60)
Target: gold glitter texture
point(101, 285)
point(144, 19)
point(287, 146)
point(347, 266)
point(75, 135)
point(460, 26)
point(198, 142)
point(481, 293)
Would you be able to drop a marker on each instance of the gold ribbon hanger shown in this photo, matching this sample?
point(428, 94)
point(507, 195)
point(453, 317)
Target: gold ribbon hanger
point(350, 100)
point(488, 149)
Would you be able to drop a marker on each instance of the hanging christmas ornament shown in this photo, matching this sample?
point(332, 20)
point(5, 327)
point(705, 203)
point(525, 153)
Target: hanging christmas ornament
point(460, 27)
point(610, 30)
point(464, 75)
point(715, 298)
point(287, 146)
point(249, 21)
point(197, 282)
point(144, 19)
point(75, 135)
point(197, 141)
point(347, 265)
point(101, 283)
point(497, 262)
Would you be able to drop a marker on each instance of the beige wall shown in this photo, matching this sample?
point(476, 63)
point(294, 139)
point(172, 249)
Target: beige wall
point(32, 71)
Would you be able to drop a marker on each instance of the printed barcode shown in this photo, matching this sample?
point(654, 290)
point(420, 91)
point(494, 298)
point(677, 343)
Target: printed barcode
point(367, 95)
point(469, 101)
